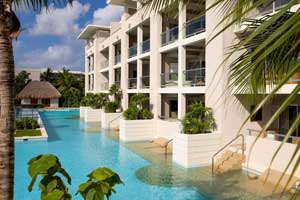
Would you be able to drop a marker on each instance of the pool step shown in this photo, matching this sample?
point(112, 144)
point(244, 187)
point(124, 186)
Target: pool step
point(229, 161)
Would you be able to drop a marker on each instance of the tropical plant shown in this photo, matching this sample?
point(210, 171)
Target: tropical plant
point(21, 80)
point(111, 106)
point(95, 101)
point(10, 28)
point(116, 92)
point(136, 108)
point(51, 184)
point(26, 123)
point(198, 120)
point(100, 184)
point(48, 75)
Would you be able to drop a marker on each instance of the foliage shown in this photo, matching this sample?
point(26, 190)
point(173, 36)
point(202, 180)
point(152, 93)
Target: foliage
point(199, 120)
point(21, 80)
point(48, 75)
point(95, 101)
point(51, 185)
point(136, 109)
point(116, 92)
point(131, 113)
point(26, 123)
point(111, 106)
point(100, 183)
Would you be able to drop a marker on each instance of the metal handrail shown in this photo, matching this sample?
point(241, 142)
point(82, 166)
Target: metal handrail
point(225, 146)
point(109, 123)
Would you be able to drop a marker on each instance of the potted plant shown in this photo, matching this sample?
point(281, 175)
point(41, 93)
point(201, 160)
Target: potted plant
point(137, 124)
point(198, 138)
point(110, 116)
point(93, 106)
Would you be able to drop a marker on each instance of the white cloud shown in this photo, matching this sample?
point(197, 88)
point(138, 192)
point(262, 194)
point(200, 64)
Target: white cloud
point(108, 14)
point(59, 21)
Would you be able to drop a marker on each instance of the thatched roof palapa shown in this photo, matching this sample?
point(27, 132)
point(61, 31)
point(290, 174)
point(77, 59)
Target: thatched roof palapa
point(39, 90)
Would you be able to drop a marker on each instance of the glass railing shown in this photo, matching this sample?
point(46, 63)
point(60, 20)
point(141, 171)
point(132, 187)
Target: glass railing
point(169, 36)
point(117, 59)
point(104, 86)
point(104, 64)
point(145, 46)
point(132, 83)
point(145, 82)
point(132, 51)
point(169, 79)
point(195, 26)
point(194, 77)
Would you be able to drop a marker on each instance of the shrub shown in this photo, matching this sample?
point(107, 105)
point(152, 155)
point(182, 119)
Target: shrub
point(95, 101)
point(199, 120)
point(111, 106)
point(131, 113)
point(138, 100)
point(146, 114)
point(26, 123)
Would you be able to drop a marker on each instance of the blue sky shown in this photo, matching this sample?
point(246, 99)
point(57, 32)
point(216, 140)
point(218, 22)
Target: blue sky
point(49, 37)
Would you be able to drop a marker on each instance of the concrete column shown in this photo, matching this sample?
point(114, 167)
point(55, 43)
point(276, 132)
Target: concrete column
point(139, 73)
point(124, 68)
point(139, 50)
point(181, 64)
point(155, 63)
point(181, 21)
point(181, 105)
point(111, 62)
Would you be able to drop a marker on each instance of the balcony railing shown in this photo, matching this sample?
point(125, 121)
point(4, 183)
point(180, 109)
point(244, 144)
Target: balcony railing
point(145, 81)
point(104, 86)
point(132, 83)
point(195, 26)
point(273, 135)
point(132, 51)
point(169, 36)
point(169, 79)
point(117, 59)
point(145, 46)
point(194, 77)
point(104, 64)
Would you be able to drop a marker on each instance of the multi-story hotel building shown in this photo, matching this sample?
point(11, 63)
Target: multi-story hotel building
point(168, 59)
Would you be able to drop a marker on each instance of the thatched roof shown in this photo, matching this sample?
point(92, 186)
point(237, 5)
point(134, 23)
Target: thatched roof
point(39, 90)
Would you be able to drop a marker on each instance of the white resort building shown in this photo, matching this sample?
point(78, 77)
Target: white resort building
point(167, 59)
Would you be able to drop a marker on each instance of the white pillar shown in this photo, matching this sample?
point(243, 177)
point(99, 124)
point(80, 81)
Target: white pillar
point(111, 57)
point(181, 105)
point(124, 68)
point(139, 50)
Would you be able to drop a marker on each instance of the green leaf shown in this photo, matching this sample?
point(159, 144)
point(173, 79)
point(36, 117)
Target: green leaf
point(54, 195)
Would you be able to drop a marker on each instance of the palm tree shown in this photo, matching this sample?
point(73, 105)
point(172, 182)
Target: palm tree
point(264, 57)
point(48, 75)
point(116, 92)
point(9, 29)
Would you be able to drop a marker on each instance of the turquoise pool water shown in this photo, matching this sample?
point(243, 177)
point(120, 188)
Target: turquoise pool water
point(81, 152)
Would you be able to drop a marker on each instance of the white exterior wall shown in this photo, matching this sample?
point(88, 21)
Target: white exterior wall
point(110, 120)
point(136, 130)
point(54, 103)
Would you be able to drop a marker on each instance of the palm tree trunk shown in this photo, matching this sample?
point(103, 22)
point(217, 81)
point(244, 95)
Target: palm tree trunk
point(6, 105)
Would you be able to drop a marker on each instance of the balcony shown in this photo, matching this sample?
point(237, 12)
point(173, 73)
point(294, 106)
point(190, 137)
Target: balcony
point(195, 26)
point(132, 83)
point(145, 46)
point(169, 79)
point(117, 59)
point(104, 86)
point(132, 51)
point(104, 64)
point(145, 82)
point(194, 77)
point(169, 36)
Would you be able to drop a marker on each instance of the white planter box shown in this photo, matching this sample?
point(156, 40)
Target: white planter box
point(92, 115)
point(195, 150)
point(110, 120)
point(136, 130)
point(82, 111)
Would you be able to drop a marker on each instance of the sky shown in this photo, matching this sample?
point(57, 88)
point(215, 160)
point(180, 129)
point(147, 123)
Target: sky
point(49, 37)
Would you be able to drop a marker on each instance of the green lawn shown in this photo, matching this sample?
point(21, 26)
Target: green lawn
point(28, 132)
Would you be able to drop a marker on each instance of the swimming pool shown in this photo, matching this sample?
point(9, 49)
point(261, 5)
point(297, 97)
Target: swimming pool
point(81, 152)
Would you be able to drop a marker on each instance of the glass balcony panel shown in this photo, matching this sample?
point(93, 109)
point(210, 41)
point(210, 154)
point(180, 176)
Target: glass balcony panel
point(194, 77)
point(169, 36)
point(145, 46)
point(195, 26)
point(132, 51)
point(117, 59)
point(132, 83)
point(145, 81)
point(169, 79)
